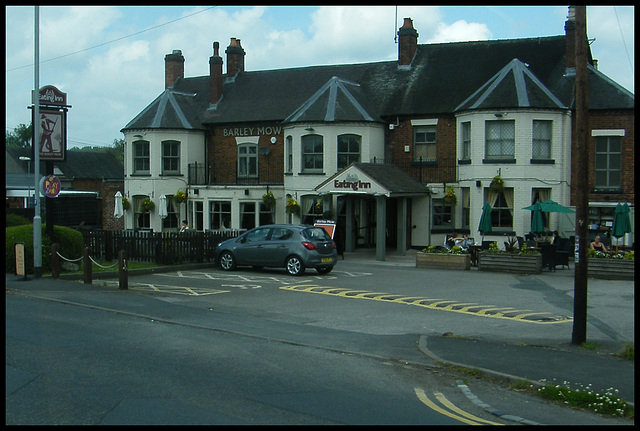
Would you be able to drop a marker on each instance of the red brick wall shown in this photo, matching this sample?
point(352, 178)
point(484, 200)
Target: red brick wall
point(443, 170)
point(622, 119)
point(108, 192)
point(223, 156)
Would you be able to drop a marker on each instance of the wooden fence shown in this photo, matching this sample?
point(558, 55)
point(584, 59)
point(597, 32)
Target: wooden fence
point(163, 248)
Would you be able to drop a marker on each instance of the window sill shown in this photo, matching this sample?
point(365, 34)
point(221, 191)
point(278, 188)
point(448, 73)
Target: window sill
point(311, 173)
point(612, 191)
point(496, 161)
point(171, 175)
point(140, 175)
point(464, 161)
point(542, 161)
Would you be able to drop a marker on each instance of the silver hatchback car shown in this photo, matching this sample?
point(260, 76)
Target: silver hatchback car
point(292, 247)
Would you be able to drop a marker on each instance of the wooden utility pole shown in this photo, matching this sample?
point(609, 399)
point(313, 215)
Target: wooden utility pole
point(581, 181)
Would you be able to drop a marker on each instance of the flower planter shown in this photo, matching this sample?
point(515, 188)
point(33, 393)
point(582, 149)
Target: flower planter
point(618, 269)
point(508, 262)
point(443, 261)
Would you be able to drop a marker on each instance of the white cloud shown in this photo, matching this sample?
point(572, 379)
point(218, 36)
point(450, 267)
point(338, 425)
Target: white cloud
point(460, 31)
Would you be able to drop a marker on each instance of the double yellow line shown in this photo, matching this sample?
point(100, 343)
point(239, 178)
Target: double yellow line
point(453, 412)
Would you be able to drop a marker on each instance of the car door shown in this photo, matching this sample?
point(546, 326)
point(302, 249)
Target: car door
point(251, 250)
point(278, 245)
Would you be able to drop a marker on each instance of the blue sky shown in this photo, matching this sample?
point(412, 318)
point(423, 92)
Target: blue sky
point(110, 60)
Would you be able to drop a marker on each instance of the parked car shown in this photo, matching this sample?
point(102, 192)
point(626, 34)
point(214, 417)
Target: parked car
point(293, 247)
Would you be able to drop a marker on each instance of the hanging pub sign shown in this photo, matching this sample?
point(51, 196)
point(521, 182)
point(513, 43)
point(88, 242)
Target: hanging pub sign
point(52, 124)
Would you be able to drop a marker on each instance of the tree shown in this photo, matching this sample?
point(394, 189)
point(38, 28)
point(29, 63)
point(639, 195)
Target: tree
point(20, 137)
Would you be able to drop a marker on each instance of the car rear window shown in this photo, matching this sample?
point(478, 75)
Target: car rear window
point(317, 234)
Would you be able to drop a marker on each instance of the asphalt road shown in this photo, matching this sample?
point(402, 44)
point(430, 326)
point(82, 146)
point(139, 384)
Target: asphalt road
point(260, 347)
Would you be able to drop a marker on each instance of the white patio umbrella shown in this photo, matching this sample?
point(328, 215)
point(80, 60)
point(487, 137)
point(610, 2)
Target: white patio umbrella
point(162, 210)
point(118, 211)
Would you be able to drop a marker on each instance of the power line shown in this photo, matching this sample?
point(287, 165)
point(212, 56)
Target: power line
point(112, 41)
point(626, 50)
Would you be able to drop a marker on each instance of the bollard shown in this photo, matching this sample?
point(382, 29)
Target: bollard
point(123, 271)
point(86, 262)
point(55, 260)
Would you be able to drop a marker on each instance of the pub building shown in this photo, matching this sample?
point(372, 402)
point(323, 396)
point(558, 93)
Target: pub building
point(374, 146)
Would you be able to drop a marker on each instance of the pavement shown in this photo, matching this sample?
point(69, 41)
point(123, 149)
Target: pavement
point(565, 365)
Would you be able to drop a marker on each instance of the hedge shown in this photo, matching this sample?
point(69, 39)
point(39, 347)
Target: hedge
point(70, 240)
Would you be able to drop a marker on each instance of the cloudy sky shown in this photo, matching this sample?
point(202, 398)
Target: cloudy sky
point(110, 60)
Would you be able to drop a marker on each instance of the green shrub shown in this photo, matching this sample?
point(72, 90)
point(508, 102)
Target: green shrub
point(15, 220)
point(70, 240)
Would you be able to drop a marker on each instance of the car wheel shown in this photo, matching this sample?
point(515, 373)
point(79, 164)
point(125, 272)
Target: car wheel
point(227, 261)
point(295, 266)
point(324, 269)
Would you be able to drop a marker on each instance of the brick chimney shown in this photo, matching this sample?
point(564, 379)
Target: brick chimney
point(235, 58)
point(173, 67)
point(215, 75)
point(407, 43)
point(570, 38)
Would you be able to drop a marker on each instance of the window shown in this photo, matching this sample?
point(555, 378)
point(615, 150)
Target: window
point(424, 139)
point(500, 139)
point(141, 218)
point(197, 213)
point(258, 235)
point(541, 145)
point(173, 213)
point(465, 150)
point(220, 215)
point(289, 159)
point(312, 207)
point(141, 157)
point(247, 215)
point(170, 157)
point(247, 160)
point(608, 161)
point(266, 214)
point(312, 153)
point(466, 205)
point(348, 150)
point(442, 214)
point(502, 211)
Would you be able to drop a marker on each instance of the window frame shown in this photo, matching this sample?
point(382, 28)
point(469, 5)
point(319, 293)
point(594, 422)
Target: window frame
point(247, 162)
point(426, 143)
point(173, 157)
point(219, 211)
point(146, 167)
point(541, 144)
point(465, 135)
point(350, 154)
point(442, 214)
point(311, 153)
point(500, 212)
point(506, 141)
point(605, 157)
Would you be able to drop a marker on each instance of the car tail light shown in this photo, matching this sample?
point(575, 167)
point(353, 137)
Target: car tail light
point(309, 245)
point(333, 245)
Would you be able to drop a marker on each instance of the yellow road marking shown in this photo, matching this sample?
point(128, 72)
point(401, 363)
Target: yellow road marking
point(448, 404)
point(433, 406)
point(434, 304)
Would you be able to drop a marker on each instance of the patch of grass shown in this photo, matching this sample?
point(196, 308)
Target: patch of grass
point(589, 346)
point(605, 404)
point(626, 353)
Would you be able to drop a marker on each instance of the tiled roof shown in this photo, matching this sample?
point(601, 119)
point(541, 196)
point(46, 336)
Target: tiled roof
point(442, 78)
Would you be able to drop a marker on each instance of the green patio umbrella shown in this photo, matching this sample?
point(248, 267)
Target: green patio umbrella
point(485, 220)
point(621, 222)
point(550, 206)
point(537, 222)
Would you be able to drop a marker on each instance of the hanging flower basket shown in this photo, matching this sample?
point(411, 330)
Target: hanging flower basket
point(497, 183)
point(450, 196)
point(126, 204)
point(269, 199)
point(180, 196)
point(148, 205)
point(292, 207)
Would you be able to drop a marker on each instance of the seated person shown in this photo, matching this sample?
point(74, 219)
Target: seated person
point(463, 242)
point(554, 238)
point(597, 245)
